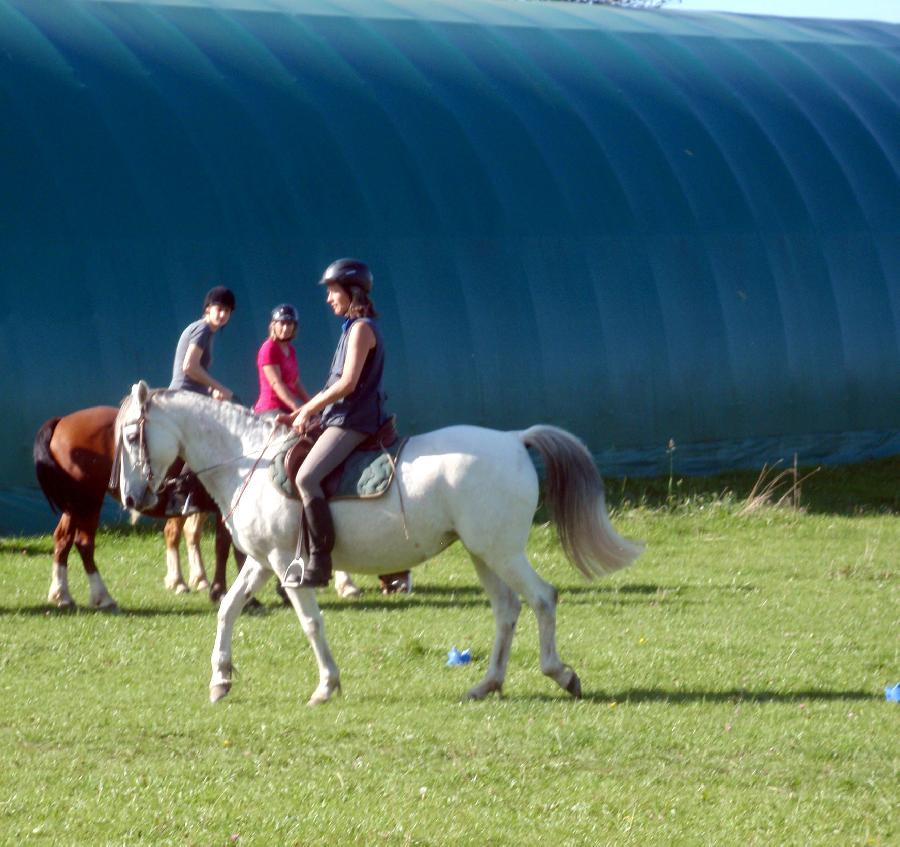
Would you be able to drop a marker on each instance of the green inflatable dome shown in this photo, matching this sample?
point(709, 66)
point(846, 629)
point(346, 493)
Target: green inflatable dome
point(643, 227)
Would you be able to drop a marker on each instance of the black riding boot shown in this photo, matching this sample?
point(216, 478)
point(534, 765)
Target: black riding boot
point(320, 535)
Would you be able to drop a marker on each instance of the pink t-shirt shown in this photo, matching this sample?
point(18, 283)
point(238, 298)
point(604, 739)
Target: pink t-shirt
point(271, 354)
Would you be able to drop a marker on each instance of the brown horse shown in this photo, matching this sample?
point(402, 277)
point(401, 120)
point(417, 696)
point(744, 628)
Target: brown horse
point(73, 457)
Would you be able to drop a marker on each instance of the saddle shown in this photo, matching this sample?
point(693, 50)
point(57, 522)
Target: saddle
point(284, 470)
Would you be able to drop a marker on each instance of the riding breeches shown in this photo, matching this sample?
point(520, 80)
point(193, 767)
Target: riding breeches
point(333, 446)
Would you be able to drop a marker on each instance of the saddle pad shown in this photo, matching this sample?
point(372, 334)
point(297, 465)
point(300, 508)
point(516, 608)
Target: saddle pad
point(365, 474)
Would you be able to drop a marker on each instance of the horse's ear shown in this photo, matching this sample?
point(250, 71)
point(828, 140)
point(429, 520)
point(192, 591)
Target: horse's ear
point(139, 392)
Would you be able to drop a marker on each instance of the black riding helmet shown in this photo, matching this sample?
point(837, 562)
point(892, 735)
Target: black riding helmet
point(349, 273)
point(284, 312)
point(219, 296)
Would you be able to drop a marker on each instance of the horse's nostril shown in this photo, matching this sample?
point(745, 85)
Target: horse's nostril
point(129, 502)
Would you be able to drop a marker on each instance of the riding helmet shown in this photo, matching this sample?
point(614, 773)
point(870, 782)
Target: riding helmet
point(219, 296)
point(284, 312)
point(350, 273)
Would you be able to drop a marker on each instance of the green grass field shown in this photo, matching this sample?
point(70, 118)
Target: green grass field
point(734, 694)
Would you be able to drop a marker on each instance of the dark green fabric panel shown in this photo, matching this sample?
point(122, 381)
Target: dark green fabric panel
point(641, 227)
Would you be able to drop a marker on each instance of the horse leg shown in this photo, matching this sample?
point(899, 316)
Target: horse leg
point(193, 530)
point(506, 607)
point(249, 580)
point(345, 587)
point(307, 608)
point(63, 538)
point(85, 533)
point(517, 573)
point(223, 545)
point(172, 533)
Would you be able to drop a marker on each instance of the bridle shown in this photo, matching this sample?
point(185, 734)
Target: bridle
point(129, 432)
point(136, 430)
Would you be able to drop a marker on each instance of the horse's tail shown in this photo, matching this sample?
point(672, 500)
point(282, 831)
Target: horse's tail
point(576, 499)
point(61, 491)
point(45, 466)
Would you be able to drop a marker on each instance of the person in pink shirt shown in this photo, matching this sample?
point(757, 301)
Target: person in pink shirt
point(280, 389)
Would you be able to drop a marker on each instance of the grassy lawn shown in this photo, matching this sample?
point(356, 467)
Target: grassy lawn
point(734, 694)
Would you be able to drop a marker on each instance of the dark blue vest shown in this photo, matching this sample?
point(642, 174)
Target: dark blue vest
point(363, 408)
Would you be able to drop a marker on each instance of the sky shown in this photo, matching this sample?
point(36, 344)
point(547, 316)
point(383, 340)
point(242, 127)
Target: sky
point(871, 10)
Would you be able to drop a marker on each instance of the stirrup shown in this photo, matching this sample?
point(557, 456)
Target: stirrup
point(293, 574)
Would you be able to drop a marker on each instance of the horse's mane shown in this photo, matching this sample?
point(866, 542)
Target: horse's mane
point(249, 421)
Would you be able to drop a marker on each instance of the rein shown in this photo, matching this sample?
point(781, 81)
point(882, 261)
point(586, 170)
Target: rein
point(246, 481)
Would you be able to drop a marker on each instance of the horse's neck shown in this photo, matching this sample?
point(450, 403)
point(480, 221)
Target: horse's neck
point(212, 433)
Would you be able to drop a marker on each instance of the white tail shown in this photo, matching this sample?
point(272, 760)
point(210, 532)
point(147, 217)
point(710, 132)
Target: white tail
point(576, 499)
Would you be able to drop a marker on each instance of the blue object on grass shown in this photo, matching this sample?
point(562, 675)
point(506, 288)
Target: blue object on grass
point(892, 693)
point(456, 657)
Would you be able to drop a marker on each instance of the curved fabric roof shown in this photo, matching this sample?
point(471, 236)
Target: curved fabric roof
point(639, 226)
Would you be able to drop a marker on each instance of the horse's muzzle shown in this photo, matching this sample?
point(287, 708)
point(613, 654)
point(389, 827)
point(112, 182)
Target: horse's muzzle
point(143, 503)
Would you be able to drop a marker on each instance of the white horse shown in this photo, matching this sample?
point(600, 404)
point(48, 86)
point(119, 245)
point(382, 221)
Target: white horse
point(476, 485)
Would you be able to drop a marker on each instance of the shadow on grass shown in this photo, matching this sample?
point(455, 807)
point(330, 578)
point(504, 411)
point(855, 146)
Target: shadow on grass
point(732, 695)
point(424, 597)
point(27, 546)
point(45, 610)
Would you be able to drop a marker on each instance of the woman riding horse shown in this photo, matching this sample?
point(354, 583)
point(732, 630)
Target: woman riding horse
point(193, 355)
point(350, 407)
point(280, 389)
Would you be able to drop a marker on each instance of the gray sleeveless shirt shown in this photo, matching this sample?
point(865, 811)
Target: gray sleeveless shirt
point(363, 408)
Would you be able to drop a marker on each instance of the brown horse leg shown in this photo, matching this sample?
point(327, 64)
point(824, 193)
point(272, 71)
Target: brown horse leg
point(223, 545)
point(172, 532)
point(63, 538)
point(399, 582)
point(193, 529)
point(85, 533)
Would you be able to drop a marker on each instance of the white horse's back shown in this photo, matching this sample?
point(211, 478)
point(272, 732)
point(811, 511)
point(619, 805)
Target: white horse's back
point(441, 475)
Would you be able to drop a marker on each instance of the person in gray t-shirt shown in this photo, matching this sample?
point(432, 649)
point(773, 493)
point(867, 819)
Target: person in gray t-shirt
point(193, 355)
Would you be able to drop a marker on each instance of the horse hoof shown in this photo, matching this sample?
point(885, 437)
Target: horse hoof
point(200, 584)
point(574, 686)
point(216, 592)
point(349, 592)
point(217, 692)
point(181, 588)
point(254, 607)
point(323, 694)
point(482, 690)
point(110, 609)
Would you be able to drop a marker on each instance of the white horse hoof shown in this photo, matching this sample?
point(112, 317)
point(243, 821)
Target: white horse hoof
point(483, 689)
point(109, 608)
point(200, 584)
point(323, 694)
point(181, 588)
point(574, 686)
point(348, 591)
point(217, 692)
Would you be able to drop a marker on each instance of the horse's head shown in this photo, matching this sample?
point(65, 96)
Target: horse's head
point(145, 449)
